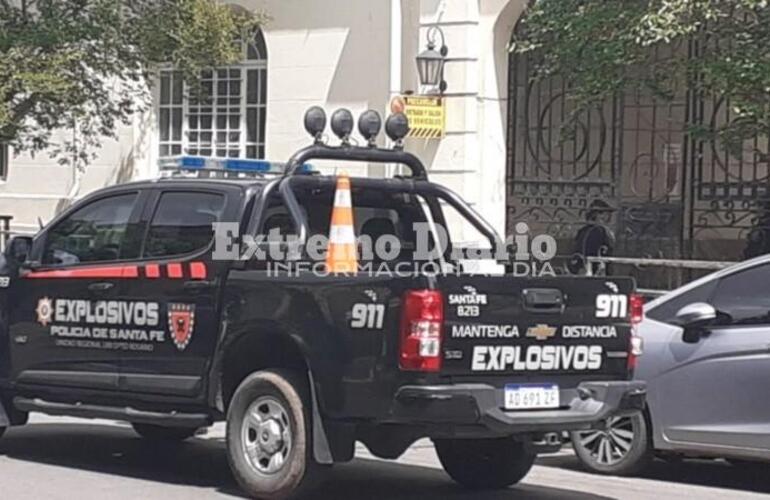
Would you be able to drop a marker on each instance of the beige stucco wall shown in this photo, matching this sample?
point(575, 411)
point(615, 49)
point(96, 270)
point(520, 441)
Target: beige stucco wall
point(338, 54)
point(37, 185)
point(332, 57)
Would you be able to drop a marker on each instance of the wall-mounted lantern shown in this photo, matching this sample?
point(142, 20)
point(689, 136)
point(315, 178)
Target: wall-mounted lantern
point(430, 62)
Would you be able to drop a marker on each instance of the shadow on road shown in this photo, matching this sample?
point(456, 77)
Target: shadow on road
point(708, 473)
point(375, 480)
point(202, 463)
point(118, 450)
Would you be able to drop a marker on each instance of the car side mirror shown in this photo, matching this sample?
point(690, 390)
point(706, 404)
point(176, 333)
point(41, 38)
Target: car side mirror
point(18, 249)
point(693, 318)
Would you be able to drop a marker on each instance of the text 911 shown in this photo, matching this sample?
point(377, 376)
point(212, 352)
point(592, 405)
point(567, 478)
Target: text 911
point(611, 306)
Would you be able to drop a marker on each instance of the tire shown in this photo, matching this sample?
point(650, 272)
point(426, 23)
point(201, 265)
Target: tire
point(484, 464)
point(2, 431)
point(160, 433)
point(622, 447)
point(267, 462)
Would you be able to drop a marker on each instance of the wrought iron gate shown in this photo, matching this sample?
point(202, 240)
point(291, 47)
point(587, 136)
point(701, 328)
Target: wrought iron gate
point(627, 179)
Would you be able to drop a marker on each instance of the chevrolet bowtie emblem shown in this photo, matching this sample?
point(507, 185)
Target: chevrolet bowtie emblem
point(541, 332)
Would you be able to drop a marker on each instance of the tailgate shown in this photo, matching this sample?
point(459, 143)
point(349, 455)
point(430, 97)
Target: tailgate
point(559, 330)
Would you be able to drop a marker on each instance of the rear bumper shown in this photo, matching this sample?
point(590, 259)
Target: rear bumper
point(480, 406)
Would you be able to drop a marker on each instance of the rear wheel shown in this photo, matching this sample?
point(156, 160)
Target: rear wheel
point(268, 436)
point(484, 463)
point(621, 446)
point(160, 433)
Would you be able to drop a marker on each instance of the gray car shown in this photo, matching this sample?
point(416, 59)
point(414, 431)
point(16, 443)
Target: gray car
point(707, 366)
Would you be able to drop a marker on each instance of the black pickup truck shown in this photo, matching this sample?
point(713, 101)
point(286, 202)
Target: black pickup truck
point(123, 308)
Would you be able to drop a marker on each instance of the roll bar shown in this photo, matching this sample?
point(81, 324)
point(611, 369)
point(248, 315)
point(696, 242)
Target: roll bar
point(347, 152)
point(416, 184)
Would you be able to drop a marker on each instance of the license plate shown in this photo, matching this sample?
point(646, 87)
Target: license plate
point(531, 396)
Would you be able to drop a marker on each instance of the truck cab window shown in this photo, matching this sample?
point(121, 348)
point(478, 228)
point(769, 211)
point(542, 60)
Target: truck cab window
point(97, 232)
point(375, 214)
point(182, 223)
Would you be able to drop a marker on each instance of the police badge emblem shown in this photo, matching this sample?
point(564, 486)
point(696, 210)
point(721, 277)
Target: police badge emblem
point(181, 322)
point(44, 311)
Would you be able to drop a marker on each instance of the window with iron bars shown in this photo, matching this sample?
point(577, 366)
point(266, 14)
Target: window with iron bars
point(226, 118)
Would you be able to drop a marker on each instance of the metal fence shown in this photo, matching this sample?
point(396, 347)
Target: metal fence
point(630, 177)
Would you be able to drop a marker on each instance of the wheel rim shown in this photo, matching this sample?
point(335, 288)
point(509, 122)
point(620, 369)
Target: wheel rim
point(266, 435)
point(611, 443)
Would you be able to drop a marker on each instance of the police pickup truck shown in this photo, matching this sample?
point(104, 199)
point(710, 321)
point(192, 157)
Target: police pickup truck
point(123, 308)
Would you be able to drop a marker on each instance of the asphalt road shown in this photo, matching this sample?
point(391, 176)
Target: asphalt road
point(83, 459)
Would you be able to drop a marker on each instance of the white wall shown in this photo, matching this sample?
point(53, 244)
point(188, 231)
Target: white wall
point(472, 158)
point(322, 55)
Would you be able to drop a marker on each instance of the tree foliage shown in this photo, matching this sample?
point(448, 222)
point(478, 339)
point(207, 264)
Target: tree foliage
point(72, 70)
point(605, 47)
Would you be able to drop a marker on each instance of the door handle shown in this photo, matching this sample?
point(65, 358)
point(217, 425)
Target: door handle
point(197, 285)
point(101, 287)
point(543, 300)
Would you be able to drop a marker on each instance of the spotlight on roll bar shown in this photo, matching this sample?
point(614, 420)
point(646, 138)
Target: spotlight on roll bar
point(315, 122)
point(342, 124)
point(369, 125)
point(397, 126)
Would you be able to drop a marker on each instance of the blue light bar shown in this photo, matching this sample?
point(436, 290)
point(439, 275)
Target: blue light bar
point(225, 165)
point(252, 165)
point(191, 162)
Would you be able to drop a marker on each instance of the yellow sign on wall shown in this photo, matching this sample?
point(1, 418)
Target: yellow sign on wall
point(427, 116)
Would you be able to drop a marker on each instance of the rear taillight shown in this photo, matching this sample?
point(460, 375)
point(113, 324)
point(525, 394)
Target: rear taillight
point(635, 316)
point(635, 308)
point(422, 325)
point(635, 349)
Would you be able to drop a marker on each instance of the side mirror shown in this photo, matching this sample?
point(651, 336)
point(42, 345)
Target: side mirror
point(18, 249)
point(693, 318)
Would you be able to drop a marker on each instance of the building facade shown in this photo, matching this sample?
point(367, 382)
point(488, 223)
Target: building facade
point(629, 181)
point(354, 54)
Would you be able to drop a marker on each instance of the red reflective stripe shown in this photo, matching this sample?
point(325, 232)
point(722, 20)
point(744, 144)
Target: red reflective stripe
point(152, 271)
point(198, 270)
point(175, 271)
point(130, 272)
point(113, 272)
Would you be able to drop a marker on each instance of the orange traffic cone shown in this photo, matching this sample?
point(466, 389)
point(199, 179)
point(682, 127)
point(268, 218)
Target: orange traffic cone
point(341, 256)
